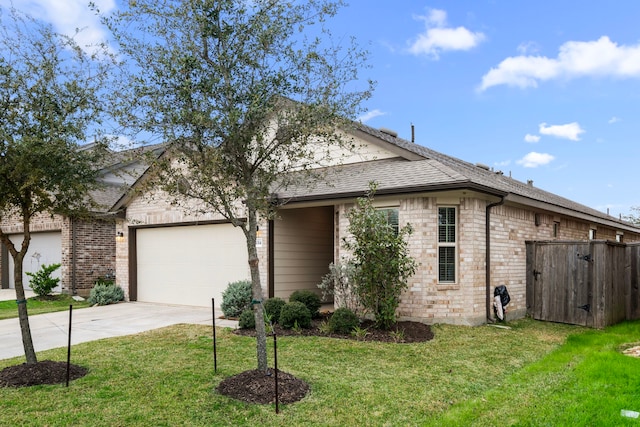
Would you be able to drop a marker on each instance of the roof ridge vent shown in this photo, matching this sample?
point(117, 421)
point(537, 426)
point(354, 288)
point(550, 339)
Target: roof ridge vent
point(483, 166)
point(389, 132)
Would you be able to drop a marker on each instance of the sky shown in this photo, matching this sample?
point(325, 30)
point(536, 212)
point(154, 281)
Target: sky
point(542, 90)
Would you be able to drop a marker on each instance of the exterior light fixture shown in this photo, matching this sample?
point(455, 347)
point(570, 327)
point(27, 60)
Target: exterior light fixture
point(119, 236)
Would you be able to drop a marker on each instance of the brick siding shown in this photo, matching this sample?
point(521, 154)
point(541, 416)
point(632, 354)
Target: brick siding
point(464, 302)
point(94, 249)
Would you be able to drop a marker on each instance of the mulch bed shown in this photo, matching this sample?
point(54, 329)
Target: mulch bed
point(402, 332)
point(44, 372)
point(256, 386)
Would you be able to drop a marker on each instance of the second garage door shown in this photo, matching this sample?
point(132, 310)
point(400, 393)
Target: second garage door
point(44, 248)
point(189, 265)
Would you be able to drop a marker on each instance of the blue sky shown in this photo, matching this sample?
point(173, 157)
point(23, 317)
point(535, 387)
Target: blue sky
point(546, 91)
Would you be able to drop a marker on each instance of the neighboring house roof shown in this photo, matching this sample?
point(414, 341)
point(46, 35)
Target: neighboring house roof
point(435, 171)
point(123, 168)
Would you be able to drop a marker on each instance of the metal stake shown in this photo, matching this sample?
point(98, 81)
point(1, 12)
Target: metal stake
point(69, 346)
point(275, 364)
point(215, 354)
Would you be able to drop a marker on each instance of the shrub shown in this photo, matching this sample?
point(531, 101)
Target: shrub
point(41, 281)
point(295, 313)
point(105, 292)
point(310, 299)
point(375, 239)
point(247, 320)
point(236, 298)
point(343, 321)
point(339, 284)
point(272, 308)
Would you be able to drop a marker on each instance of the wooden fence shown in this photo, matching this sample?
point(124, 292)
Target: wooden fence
point(591, 283)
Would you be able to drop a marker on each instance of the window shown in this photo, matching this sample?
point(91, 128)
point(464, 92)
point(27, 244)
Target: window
point(447, 246)
point(556, 229)
point(391, 215)
point(592, 234)
point(619, 237)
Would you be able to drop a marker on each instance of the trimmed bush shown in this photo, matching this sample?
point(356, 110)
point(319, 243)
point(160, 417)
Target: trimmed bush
point(236, 298)
point(310, 299)
point(295, 313)
point(41, 281)
point(247, 320)
point(272, 308)
point(343, 321)
point(105, 292)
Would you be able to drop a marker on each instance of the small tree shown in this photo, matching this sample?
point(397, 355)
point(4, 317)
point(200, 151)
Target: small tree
point(49, 104)
point(41, 281)
point(245, 91)
point(339, 284)
point(382, 264)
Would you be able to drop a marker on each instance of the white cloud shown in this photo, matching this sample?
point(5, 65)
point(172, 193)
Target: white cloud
point(370, 115)
point(614, 119)
point(438, 37)
point(68, 16)
point(533, 160)
point(569, 131)
point(575, 59)
point(528, 48)
point(531, 138)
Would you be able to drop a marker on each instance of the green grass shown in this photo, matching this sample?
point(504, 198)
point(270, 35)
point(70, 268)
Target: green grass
point(37, 305)
point(586, 382)
point(532, 374)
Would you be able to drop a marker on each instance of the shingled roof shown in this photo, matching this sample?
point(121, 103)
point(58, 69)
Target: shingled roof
point(435, 171)
point(121, 170)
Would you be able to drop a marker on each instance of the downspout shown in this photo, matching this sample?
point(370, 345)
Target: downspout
point(488, 255)
point(74, 290)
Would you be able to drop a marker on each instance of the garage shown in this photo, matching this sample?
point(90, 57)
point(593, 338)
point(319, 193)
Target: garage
point(189, 264)
point(44, 248)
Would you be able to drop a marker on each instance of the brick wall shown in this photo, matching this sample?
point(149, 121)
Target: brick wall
point(93, 251)
point(464, 302)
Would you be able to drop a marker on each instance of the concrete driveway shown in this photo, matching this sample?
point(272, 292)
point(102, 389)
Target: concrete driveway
point(88, 324)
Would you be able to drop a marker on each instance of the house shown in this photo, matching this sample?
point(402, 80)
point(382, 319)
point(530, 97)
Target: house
point(470, 226)
point(85, 247)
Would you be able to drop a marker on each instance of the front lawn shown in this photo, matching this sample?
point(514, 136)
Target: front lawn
point(489, 376)
point(39, 305)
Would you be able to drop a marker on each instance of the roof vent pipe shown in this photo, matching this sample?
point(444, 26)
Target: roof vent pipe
point(413, 133)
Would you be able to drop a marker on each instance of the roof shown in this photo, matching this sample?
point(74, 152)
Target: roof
point(435, 171)
point(121, 170)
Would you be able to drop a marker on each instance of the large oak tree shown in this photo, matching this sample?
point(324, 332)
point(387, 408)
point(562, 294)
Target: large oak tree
point(243, 90)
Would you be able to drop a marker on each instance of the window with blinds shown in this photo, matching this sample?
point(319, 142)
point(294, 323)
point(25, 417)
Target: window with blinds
point(447, 244)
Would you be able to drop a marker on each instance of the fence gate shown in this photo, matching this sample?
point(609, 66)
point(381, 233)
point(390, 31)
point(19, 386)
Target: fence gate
point(559, 282)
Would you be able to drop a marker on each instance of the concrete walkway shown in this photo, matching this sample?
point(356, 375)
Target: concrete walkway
point(9, 294)
point(88, 324)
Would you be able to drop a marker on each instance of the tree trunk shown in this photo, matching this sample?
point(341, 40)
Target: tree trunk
point(23, 316)
point(256, 287)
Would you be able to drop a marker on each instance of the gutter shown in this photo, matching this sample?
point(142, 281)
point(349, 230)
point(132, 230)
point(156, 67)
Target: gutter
point(488, 254)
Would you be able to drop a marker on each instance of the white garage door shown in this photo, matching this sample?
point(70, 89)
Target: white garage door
point(44, 248)
point(189, 265)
